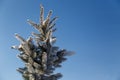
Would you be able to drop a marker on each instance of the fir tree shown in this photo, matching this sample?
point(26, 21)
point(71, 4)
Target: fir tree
point(38, 53)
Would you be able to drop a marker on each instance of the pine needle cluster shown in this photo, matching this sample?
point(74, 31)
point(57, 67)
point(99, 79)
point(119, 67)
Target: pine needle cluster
point(38, 52)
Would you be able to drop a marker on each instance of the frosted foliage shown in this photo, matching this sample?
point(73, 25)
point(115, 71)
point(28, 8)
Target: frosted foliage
point(38, 52)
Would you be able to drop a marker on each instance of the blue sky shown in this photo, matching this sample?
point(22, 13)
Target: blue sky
point(91, 28)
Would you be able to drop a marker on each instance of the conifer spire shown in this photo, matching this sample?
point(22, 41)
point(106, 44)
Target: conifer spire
point(38, 53)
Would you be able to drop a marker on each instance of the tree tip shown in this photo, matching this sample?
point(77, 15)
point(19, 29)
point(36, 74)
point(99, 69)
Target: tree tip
point(16, 34)
point(41, 6)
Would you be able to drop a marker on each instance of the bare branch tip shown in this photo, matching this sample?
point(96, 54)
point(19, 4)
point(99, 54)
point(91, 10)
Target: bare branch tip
point(16, 34)
point(50, 11)
point(41, 6)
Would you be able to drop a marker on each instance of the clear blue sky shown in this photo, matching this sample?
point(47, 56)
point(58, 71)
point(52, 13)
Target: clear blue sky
point(91, 28)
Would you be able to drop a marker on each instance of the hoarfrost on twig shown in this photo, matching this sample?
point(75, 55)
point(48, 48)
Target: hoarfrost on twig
point(42, 58)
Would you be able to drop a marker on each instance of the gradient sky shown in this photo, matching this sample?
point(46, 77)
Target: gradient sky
point(91, 28)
